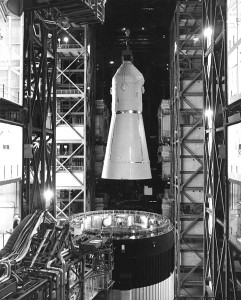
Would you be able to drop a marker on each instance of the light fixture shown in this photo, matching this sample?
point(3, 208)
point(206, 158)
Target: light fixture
point(65, 149)
point(88, 48)
point(207, 32)
point(133, 236)
point(66, 39)
point(48, 195)
point(208, 113)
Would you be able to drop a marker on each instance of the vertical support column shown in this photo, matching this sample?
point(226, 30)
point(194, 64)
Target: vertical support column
point(27, 132)
point(219, 273)
point(90, 118)
point(187, 147)
point(44, 115)
point(86, 100)
point(74, 124)
point(39, 69)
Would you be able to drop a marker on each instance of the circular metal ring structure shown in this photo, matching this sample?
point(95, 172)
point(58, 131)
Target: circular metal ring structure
point(121, 224)
point(143, 248)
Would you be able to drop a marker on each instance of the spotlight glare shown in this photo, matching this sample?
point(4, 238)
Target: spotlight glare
point(208, 113)
point(207, 32)
point(66, 39)
point(48, 194)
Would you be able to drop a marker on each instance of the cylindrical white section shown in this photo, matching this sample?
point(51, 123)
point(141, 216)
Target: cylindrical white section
point(126, 153)
point(160, 291)
point(127, 87)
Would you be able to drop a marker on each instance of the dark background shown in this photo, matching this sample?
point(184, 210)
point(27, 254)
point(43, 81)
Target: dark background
point(149, 24)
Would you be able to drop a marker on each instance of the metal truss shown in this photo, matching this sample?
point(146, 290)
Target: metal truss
point(77, 11)
point(43, 22)
point(221, 256)
point(74, 125)
point(39, 65)
point(71, 123)
point(187, 134)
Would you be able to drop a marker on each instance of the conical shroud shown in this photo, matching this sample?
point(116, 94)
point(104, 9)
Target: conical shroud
point(126, 154)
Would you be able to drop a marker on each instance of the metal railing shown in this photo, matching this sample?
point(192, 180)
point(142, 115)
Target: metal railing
point(12, 95)
point(68, 46)
point(10, 172)
point(4, 238)
point(68, 91)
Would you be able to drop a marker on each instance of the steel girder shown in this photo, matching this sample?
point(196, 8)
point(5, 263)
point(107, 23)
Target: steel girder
point(40, 48)
point(187, 147)
point(77, 11)
point(75, 180)
point(90, 118)
point(39, 65)
point(71, 123)
point(220, 253)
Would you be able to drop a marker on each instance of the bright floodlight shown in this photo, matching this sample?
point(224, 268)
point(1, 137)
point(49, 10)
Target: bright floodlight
point(66, 39)
point(208, 113)
point(48, 195)
point(207, 32)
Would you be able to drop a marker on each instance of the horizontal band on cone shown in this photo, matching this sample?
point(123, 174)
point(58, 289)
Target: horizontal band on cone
point(128, 112)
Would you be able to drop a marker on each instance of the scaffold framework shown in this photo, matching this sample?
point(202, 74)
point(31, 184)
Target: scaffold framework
point(187, 133)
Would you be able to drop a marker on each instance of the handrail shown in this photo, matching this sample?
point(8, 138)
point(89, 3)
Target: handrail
point(3, 238)
point(4, 93)
point(10, 172)
point(8, 273)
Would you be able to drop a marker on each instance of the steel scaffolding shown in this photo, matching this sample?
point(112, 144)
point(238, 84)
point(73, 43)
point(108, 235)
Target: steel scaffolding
point(75, 122)
point(187, 133)
point(71, 123)
point(43, 55)
point(201, 35)
point(222, 258)
point(39, 102)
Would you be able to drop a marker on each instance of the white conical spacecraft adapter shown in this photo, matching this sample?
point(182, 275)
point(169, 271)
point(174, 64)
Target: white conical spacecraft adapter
point(126, 154)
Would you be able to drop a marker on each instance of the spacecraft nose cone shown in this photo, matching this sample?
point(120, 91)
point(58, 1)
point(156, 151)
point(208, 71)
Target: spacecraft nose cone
point(126, 153)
